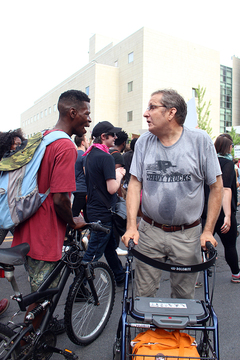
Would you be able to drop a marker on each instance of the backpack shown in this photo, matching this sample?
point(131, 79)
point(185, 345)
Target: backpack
point(19, 194)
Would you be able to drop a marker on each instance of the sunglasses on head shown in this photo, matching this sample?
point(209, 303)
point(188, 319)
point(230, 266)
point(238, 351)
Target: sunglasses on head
point(110, 134)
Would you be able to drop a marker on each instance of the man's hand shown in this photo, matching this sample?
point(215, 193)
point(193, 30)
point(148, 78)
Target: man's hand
point(130, 234)
point(79, 222)
point(120, 172)
point(226, 224)
point(207, 236)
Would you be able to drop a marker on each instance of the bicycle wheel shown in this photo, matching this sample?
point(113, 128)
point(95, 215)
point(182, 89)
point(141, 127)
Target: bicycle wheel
point(5, 334)
point(84, 320)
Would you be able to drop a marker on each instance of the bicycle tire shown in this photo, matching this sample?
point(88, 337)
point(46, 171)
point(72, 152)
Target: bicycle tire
point(85, 321)
point(5, 334)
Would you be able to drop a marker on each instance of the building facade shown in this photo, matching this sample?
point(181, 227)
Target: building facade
point(225, 98)
point(235, 91)
point(121, 76)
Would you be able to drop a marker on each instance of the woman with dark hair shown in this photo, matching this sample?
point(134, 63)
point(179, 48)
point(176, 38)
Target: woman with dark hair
point(226, 226)
point(10, 140)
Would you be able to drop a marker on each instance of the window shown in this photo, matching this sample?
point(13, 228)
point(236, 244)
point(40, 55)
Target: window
point(54, 107)
point(45, 112)
point(41, 114)
point(129, 116)
point(49, 110)
point(130, 86)
point(37, 116)
point(194, 93)
point(116, 63)
point(31, 119)
point(87, 90)
point(130, 57)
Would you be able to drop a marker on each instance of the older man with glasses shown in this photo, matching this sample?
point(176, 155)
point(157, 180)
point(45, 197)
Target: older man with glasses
point(170, 164)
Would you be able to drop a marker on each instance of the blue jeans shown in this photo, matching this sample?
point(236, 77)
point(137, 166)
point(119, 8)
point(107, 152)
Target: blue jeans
point(101, 243)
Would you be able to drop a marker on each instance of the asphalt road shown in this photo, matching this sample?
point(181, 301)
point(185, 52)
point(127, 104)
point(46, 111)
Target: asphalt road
point(226, 303)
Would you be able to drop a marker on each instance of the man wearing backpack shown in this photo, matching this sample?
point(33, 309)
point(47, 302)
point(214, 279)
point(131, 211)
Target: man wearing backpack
point(45, 230)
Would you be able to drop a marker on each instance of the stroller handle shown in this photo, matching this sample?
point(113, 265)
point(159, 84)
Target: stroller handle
point(210, 261)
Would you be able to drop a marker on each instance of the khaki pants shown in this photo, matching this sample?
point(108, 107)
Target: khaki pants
point(180, 247)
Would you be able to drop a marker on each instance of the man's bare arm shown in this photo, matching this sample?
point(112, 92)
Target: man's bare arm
point(62, 206)
point(226, 204)
point(133, 203)
point(214, 207)
point(114, 184)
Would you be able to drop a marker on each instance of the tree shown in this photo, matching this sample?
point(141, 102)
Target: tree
point(234, 136)
point(203, 111)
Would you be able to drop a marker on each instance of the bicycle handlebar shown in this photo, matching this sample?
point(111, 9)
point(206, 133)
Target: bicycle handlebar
point(97, 226)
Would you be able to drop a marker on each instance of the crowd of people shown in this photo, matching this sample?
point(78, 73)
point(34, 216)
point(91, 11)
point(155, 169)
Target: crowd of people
point(183, 185)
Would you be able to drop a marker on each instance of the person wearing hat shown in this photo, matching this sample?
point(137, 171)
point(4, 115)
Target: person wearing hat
point(103, 181)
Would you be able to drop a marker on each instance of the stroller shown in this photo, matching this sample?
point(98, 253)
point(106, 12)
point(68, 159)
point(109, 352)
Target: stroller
point(197, 318)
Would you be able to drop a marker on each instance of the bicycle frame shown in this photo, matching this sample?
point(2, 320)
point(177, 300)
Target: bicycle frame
point(43, 293)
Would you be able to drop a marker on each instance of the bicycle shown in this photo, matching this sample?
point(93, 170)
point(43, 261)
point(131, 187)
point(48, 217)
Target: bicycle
point(87, 310)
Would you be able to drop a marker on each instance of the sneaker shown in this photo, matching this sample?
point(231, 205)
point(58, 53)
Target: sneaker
point(236, 278)
point(198, 285)
point(121, 252)
point(57, 326)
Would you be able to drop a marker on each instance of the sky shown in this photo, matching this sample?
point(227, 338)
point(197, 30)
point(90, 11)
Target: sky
point(44, 42)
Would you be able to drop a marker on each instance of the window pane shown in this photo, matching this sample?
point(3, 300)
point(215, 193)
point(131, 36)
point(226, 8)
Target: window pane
point(129, 116)
point(130, 57)
point(130, 86)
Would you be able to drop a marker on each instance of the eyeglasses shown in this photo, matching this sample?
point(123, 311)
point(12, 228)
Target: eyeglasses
point(232, 145)
point(153, 107)
point(111, 134)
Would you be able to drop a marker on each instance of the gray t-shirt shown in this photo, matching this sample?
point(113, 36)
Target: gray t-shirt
point(173, 177)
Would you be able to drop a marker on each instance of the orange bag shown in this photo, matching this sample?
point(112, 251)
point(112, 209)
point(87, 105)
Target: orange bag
point(162, 342)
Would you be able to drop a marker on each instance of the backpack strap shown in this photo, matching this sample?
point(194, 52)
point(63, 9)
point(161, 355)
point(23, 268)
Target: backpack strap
point(55, 135)
point(114, 152)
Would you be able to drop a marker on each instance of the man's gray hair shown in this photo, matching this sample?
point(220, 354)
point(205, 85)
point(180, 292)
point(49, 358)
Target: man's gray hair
point(170, 99)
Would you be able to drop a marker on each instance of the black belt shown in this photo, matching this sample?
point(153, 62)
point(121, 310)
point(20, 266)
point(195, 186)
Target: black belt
point(170, 228)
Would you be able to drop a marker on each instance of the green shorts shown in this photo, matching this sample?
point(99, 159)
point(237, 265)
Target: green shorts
point(38, 271)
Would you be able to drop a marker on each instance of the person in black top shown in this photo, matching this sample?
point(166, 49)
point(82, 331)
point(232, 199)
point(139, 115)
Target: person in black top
point(79, 202)
point(103, 182)
point(226, 225)
point(128, 160)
